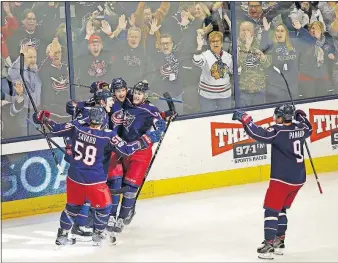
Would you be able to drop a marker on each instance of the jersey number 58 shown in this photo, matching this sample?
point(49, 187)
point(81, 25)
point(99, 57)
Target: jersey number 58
point(85, 152)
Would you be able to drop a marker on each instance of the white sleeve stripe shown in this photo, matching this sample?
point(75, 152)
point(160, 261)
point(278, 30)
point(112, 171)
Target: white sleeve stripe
point(62, 130)
point(270, 218)
point(273, 135)
point(259, 135)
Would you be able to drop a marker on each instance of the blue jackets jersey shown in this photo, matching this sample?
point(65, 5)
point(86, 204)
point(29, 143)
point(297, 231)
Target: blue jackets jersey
point(138, 119)
point(116, 116)
point(88, 147)
point(82, 113)
point(83, 109)
point(287, 155)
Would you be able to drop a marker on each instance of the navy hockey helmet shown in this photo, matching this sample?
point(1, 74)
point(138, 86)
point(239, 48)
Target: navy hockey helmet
point(285, 111)
point(142, 86)
point(118, 83)
point(102, 95)
point(98, 85)
point(97, 114)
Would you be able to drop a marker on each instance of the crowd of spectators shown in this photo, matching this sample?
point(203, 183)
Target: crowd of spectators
point(184, 48)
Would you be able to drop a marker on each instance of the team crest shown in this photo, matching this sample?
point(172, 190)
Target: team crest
point(128, 120)
point(117, 117)
point(218, 70)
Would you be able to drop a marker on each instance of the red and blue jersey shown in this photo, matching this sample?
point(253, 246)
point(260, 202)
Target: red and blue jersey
point(287, 154)
point(88, 146)
point(138, 119)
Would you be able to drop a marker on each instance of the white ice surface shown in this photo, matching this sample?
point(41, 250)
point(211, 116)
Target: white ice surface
point(216, 225)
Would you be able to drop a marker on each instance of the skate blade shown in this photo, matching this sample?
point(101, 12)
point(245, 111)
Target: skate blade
point(268, 255)
point(70, 242)
point(82, 238)
point(279, 251)
point(97, 243)
point(113, 241)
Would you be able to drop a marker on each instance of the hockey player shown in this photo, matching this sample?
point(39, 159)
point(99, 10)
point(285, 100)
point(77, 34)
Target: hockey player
point(123, 97)
point(287, 174)
point(82, 227)
point(86, 179)
point(139, 117)
point(113, 160)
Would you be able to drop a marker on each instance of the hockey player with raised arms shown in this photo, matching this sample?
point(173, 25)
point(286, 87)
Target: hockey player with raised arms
point(123, 97)
point(139, 117)
point(86, 178)
point(102, 97)
point(287, 173)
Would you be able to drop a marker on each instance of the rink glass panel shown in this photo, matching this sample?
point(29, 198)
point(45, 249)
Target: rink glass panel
point(38, 30)
point(306, 55)
point(112, 39)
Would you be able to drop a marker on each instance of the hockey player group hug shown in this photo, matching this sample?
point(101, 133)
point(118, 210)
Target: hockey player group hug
point(109, 148)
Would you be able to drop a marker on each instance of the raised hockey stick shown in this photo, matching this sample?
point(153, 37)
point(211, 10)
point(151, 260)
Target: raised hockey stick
point(171, 106)
point(22, 57)
point(306, 145)
point(50, 139)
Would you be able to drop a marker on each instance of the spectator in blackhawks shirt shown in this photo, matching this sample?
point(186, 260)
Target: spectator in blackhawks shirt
point(94, 66)
point(54, 78)
point(216, 65)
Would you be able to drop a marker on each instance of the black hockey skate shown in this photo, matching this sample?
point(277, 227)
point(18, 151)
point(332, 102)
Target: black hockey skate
point(130, 216)
point(266, 250)
point(62, 238)
point(119, 225)
point(279, 246)
point(98, 236)
point(82, 233)
point(111, 224)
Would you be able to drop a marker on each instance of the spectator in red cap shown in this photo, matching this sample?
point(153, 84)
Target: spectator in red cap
point(94, 65)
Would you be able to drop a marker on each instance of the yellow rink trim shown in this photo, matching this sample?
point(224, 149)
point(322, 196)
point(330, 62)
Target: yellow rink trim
point(55, 203)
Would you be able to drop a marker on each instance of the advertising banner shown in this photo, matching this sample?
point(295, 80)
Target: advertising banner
point(32, 174)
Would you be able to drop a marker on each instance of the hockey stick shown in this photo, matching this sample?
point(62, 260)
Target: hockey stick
point(50, 139)
point(22, 57)
point(306, 145)
point(171, 106)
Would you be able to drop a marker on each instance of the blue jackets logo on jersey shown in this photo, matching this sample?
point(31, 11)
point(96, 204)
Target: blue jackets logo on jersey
point(117, 117)
point(128, 120)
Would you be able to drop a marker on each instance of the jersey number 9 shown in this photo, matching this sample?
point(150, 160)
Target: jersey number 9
point(89, 156)
point(297, 149)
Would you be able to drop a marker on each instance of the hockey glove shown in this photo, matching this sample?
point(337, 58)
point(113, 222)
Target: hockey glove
point(41, 117)
point(160, 125)
point(69, 150)
point(71, 107)
point(150, 138)
point(300, 115)
point(168, 114)
point(241, 116)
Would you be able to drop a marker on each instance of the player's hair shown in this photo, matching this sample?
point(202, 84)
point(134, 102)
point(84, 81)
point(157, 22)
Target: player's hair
point(167, 36)
point(135, 28)
point(26, 12)
point(318, 23)
point(215, 34)
point(49, 47)
point(287, 37)
point(204, 8)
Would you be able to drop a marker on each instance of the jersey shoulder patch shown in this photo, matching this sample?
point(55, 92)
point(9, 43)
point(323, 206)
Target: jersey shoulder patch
point(107, 130)
point(81, 122)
